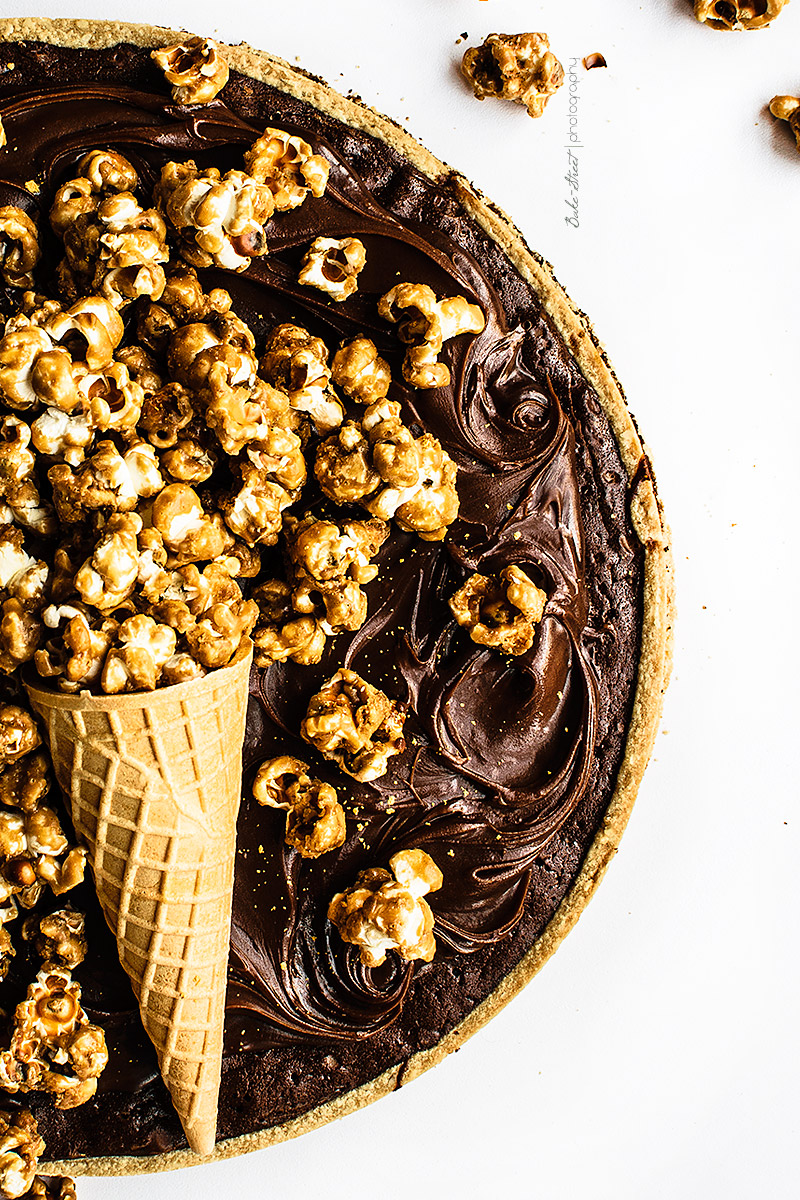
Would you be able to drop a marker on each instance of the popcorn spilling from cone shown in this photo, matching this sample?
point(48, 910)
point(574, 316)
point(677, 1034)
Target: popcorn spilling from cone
point(157, 459)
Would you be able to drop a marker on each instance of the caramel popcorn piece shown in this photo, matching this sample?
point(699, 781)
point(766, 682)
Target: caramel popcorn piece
point(54, 1047)
point(21, 1146)
point(297, 363)
point(324, 551)
point(53, 1187)
point(315, 820)
point(425, 324)
point(385, 910)
point(59, 936)
point(196, 69)
point(189, 533)
point(332, 265)
point(136, 664)
point(75, 653)
point(518, 67)
point(343, 467)
point(100, 173)
point(418, 476)
point(360, 372)
point(109, 576)
point(355, 725)
point(18, 733)
point(501, 612)
point(19, 247)
point(220, 218)
point(787, 108)
point(279, 633)
point(25, 783)
point(738, 14)
point(288, 167)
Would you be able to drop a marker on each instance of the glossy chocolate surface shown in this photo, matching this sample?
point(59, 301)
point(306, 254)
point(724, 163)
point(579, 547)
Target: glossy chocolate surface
point(510, 763)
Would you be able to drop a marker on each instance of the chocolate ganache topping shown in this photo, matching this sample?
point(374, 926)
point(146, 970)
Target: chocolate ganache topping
point(509, 762)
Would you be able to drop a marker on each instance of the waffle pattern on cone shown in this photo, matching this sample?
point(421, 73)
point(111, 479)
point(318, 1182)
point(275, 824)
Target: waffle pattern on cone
point(154, 783)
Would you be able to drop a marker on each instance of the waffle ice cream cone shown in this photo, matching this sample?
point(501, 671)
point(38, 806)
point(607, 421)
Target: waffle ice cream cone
point(154, 781)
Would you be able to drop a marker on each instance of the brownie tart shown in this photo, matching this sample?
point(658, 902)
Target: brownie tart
point(517, 771)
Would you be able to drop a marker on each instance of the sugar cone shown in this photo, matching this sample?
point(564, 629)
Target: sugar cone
point(154, 781)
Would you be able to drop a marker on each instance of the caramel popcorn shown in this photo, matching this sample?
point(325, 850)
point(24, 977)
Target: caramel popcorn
point(189, 533)
point(288, 167)
point(21, 1146)
point(196, 69)
point(518, 67)
point(355, 725)
point(787, 108)
point(385, 910)
point(501, 612)
point(54, 1047)
point(19, 247)
point(18, 733)
point(390, 472)
point(76, 650)
point(53, 1187)
point(220, 218)
point(297, 363)
point(25, 783)
point(360, 372)
point(332, 265)
point(324, 551)
point(343, 467)
point(315, 820)
point(136, 664)
point(59, 937)
point(100, 173)
point(738, 14)
point(279, 633)
point(425, 324)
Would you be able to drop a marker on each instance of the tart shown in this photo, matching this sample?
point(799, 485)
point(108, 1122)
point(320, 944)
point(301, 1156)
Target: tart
point(522, 631)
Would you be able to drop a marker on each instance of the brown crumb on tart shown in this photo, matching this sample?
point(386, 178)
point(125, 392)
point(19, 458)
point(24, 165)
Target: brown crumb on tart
point(519, 67)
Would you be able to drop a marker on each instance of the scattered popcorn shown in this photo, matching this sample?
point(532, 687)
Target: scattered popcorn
point(288, 167)
point(196, 69)
point(385, 910)
point(425, 324)
point(355, 725)
point(332, 265)
point(501, 612)
point(738, 14)
point(518, 67)
point(315, 820)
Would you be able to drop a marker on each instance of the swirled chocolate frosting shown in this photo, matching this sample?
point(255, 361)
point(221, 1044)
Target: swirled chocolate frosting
point(510, 763)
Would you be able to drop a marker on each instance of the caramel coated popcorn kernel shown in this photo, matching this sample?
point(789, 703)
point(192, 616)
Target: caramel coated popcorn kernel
point(502, 612)
point(425, 324)
point(315, 820)
point(355, 725)
point(787, 108)
point(21, 1146)
point(738, 14)
point(332, 265)
point(385, 910)
point(518, 67)
point(196, 69)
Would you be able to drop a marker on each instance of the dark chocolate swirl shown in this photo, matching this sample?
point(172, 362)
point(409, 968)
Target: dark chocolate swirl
point(508, 761)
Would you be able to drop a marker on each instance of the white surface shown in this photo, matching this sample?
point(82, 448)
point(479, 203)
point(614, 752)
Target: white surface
point(656, 1055)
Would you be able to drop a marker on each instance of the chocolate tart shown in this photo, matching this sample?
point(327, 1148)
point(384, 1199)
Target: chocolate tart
point(519, 774)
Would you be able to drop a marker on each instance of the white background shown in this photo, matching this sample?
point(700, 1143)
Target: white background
point(657, 1054)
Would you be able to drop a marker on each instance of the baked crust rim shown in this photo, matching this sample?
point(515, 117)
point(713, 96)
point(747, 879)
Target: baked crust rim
point(655, 655)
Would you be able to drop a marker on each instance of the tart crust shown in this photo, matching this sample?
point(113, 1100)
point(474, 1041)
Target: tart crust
point(647, 518)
